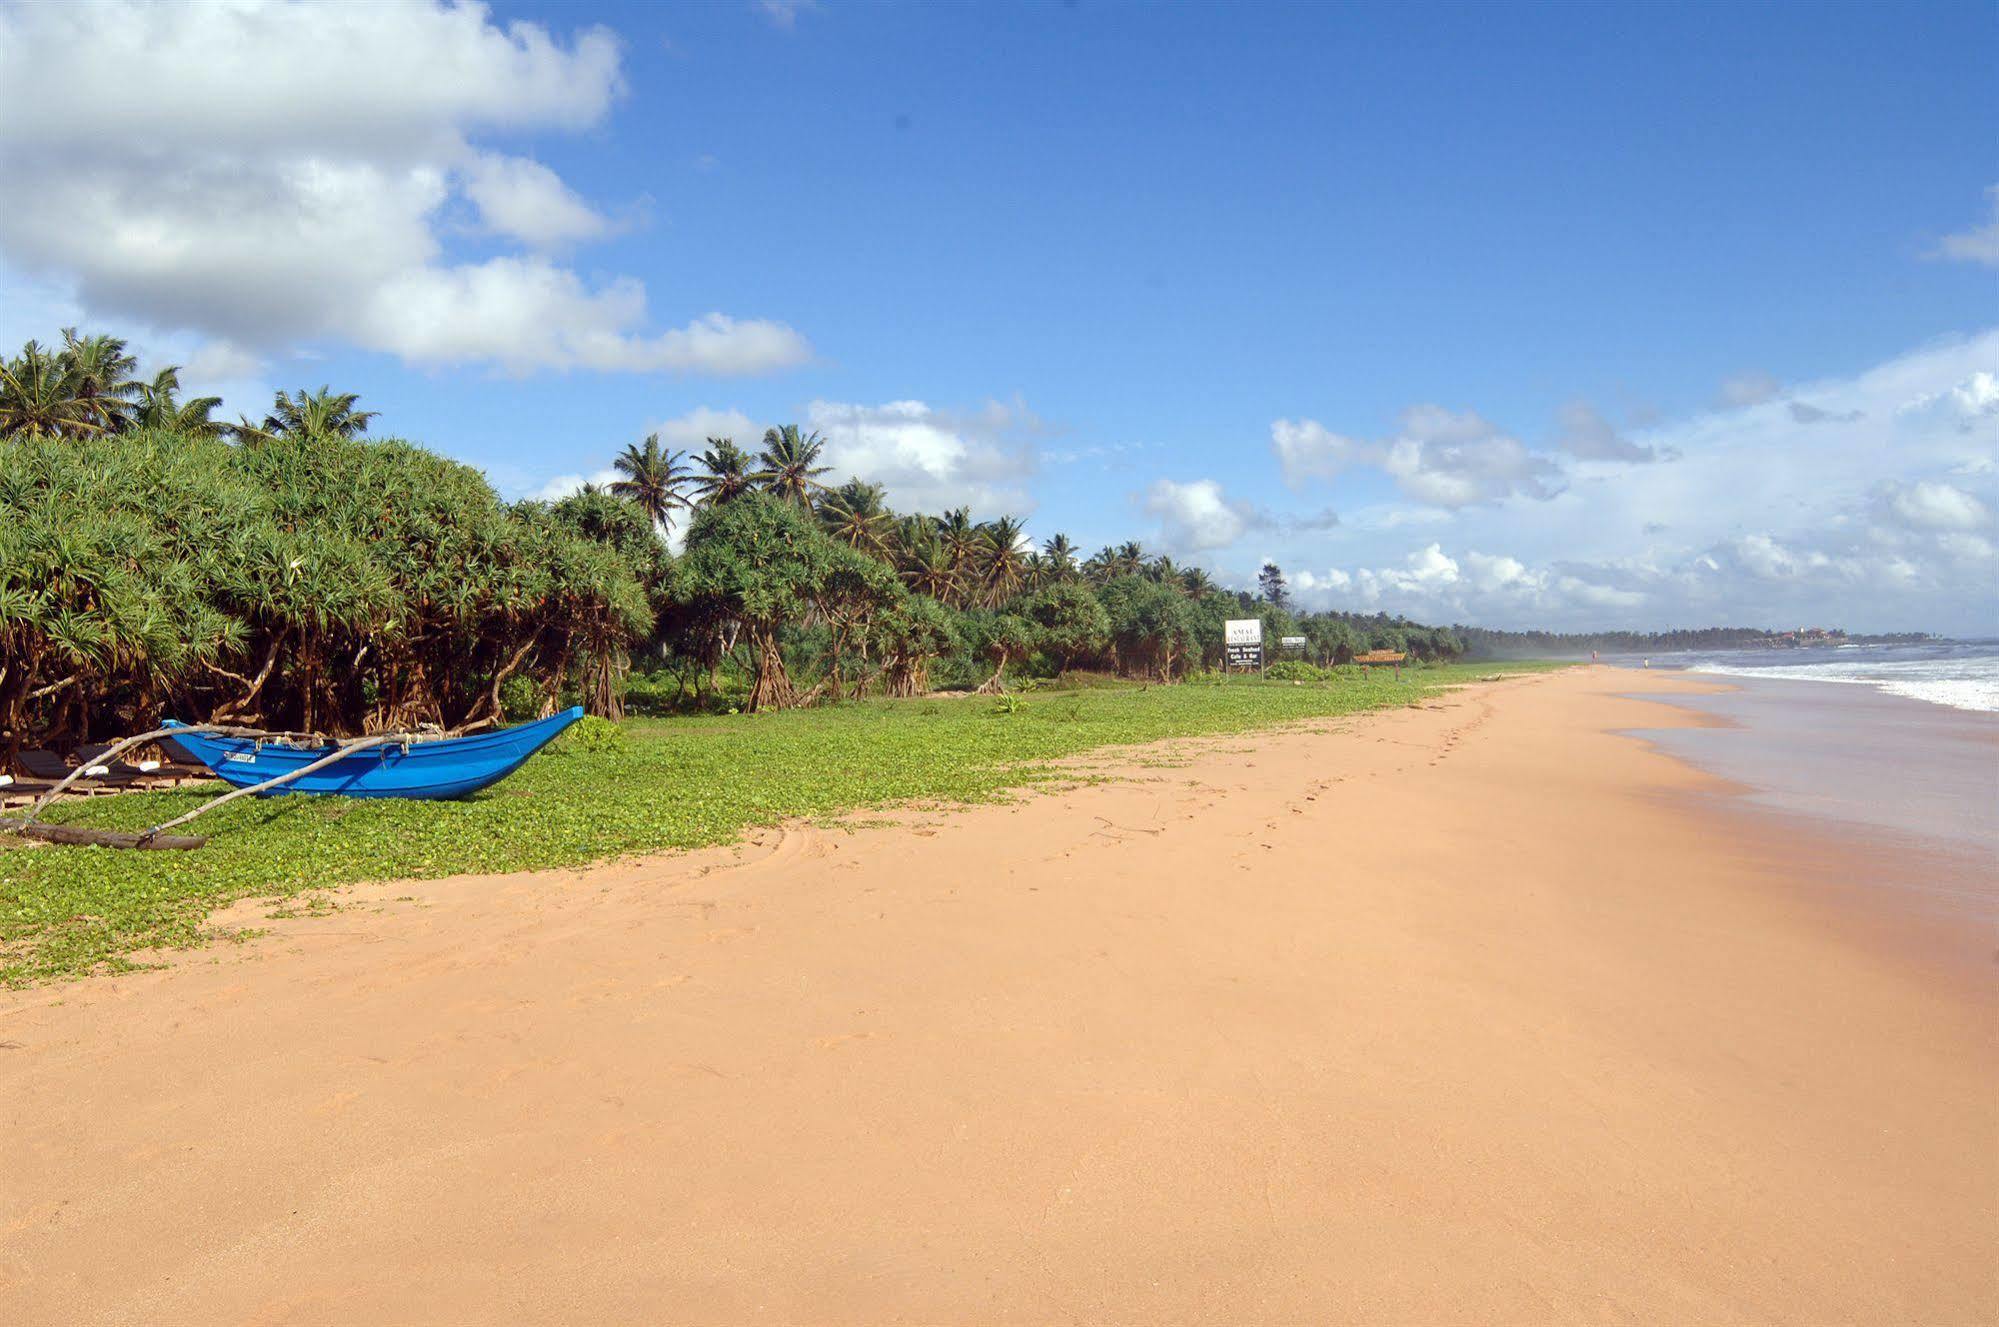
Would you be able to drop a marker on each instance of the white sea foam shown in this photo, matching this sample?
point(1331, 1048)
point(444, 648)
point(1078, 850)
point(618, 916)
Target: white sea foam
point(1962, 683)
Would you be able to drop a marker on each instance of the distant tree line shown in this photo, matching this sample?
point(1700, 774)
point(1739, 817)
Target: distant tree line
point(1488, 643)
point(293, 573)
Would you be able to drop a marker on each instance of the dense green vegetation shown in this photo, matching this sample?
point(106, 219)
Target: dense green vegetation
point(292, 574)
point(644, 785)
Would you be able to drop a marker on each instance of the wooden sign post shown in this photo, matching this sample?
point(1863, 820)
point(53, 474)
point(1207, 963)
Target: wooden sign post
point(1379, 658)
point(1242, 644)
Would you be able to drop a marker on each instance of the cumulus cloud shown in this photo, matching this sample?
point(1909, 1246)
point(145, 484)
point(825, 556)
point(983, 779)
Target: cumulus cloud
point(1197, 516)
point(527, 201)
point(1980, 244)
point(929, 459)
point(1445, 458)
point(1930, 505)
point(270, 172)
point(1307, 450)
point(1456, 458)
point(1875, 508)
point(691, 431)
point(1432, 584)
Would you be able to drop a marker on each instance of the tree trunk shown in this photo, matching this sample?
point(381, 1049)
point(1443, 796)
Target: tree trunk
point(994, 685)
point(771, 689)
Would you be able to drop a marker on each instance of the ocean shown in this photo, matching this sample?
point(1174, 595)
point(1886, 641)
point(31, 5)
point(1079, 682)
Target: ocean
point(1961, 675)
point(1899, 743)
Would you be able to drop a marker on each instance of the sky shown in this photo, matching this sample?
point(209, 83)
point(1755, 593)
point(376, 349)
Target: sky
point(1550, 316)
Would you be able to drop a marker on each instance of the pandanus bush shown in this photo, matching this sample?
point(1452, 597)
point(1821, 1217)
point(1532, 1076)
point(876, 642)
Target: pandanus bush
point(305, 582)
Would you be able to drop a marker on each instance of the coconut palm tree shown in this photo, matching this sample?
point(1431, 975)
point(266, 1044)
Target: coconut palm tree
point(788, 459)
point(725, 472)
point(856, 515)
point(928, 568)
point(1196, 582)
point(321, 414)
point(1127, 559)
point(38, 398)
point(651, 477)
point(158, 406)
point(1101, 566)
point(100, 373)
point(1002, 564)
point(1061, 557)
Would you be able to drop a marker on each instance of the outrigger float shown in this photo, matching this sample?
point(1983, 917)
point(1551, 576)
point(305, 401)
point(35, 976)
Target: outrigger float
point(425, 765)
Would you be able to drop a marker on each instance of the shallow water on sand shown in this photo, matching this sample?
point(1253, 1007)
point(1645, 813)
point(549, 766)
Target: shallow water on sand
point(1913, 774)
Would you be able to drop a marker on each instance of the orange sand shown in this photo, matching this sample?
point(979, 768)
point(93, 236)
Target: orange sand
point(1466, 1013)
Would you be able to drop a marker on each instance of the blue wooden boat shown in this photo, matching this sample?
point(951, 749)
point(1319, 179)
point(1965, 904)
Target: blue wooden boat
point(439, 767)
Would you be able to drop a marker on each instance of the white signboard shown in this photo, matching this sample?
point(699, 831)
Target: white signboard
point(1292, 642)
point(1242, 643)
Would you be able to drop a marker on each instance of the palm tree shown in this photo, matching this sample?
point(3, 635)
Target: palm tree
point(928, 568)
point(38, 398)
point(158, 406)
point(1035, 568)
point(1101, 566)
point(100, 373)
point(1061, 555)
point(788, 460)
point(1004, 566)
point(1196, 582)
point(856, 515)
point(960, 536)
point(248, 431)
point(321, 414)
point(725, 473)
point(652, 479)
point(1127, 559)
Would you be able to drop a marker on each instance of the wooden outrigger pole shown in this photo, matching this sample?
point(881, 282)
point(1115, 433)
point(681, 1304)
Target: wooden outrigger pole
point(29, 827)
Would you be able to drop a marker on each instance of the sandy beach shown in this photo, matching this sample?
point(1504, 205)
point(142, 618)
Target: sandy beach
point(1479, 1011)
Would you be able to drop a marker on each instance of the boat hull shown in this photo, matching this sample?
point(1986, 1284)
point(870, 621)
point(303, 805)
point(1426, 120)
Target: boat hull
point(446, 767)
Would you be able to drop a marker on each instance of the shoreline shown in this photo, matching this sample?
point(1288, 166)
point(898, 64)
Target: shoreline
point(1474, 1010)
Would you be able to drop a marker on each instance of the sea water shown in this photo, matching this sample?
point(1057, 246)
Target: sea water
point(1961, 675)
point(1899, 742)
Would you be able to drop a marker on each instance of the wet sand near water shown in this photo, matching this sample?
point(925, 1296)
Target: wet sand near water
point(1472, 1012)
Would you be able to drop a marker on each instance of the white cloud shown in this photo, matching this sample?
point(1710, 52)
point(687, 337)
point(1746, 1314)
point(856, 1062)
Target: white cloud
point(529, 202)
point(1875, 512)
point(783, 14)
point(691, 431)
point(931, 460)
point(1307, 450)
point(1980, 244)
point(1977, 395)
point(561, 486)
point(1441, 457)
point(219, 361)
point(297, 170)
point(1456, 458)
point(1197, 516)
point(523, 314)
point(1928, 505)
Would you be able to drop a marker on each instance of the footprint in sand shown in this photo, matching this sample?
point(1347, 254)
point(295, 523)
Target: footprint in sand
point(829, 1043)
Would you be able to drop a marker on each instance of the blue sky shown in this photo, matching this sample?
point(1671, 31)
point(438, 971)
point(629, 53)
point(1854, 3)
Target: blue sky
point(1570, 315)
